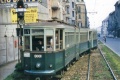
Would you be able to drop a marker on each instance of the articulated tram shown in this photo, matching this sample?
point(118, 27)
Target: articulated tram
point(50, 47)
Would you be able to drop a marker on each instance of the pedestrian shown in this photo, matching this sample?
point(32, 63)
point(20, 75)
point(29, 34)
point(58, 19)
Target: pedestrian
point(104, 38)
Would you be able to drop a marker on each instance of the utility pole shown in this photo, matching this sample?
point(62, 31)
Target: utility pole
point(20, 9)
point(20, 18)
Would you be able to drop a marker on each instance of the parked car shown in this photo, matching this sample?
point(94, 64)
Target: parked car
point(110, 36)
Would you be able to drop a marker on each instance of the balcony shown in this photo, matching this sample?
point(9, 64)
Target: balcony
point(67, 15)
point(79, 20)
point(67, 4)
point(55, 5)
point(55, 15)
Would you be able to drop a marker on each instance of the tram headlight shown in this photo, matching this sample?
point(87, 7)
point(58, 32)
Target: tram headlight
point(38, 65)
point(26, 54)
point(51, 66)
point(38, 78)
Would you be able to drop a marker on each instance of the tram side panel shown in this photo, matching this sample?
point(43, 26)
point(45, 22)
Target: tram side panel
point(94, 39)
point(70, 48)
point(84, 42)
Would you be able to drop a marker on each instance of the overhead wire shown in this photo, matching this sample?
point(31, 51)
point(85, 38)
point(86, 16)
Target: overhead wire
point(94, 6)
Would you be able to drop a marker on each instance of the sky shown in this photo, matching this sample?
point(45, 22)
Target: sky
point(102, 7)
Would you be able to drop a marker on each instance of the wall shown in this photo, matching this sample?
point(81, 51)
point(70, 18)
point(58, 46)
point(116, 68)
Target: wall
point(8, 49)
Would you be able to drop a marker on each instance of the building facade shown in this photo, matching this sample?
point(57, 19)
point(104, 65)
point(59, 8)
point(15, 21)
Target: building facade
point(117, 19)
point(75, 12)
point(104, 27)
point(56, 9)
point(69, 11)
point(82, 20)
point(113, 21)
point(8, 18)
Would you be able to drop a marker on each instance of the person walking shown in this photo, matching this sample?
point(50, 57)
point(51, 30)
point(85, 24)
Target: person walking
point(104, 38)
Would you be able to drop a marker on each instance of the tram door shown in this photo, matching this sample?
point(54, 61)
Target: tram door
point(54, 41)
point(90, 39)
point(59, 39)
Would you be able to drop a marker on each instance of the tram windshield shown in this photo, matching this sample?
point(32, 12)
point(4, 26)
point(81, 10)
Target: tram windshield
point(40, 40)
point(38, 43)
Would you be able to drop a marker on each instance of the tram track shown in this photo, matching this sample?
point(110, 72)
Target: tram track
point(111, 71)
point(79, 71)
point(92, 66)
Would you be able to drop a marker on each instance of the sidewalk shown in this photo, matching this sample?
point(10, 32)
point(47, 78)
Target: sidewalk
point(7, 69)
point(113, 44)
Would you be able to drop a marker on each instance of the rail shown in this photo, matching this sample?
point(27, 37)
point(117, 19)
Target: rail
point(88, 74)
point(112, 73)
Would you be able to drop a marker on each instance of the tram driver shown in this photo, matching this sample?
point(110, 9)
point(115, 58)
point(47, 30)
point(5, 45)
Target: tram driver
point(39, 46)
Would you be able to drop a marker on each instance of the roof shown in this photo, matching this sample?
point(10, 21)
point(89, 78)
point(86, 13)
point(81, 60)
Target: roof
point(56, 24)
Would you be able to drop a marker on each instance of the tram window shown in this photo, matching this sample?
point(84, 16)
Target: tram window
point(49, 42)
point(61, 39)
point(38, 42)
point(26, 31)
point(27, 42)
point(37, 31)
point(57, 39)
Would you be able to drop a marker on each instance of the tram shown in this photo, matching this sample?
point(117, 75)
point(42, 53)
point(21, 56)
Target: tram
point(50, 47)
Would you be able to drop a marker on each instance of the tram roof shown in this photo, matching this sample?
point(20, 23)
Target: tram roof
point(53, 24)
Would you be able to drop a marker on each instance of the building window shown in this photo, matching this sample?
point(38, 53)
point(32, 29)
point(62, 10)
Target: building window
point(72, 4)
point(67, 9)
point(79, 9)
point(67, 0)
point(67, 19)
point(79, 16)
point(73, 14)
point(73, 22)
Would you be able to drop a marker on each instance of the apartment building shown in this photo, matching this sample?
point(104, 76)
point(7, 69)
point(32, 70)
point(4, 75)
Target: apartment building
point(69, 13)
point(104, 27)
point(81, 20)
point(75, 12)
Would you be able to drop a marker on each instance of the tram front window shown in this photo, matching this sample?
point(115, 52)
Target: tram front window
point(38, 43)
point(27, 42)
point(50, 43)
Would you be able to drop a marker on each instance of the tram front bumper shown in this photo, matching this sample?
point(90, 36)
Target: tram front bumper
point(40, 72)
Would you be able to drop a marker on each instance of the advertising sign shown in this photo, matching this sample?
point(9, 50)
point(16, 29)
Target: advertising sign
point(30, 15)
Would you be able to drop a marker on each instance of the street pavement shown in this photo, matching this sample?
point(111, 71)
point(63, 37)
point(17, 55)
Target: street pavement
point(7, 69)
point(113, 44)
